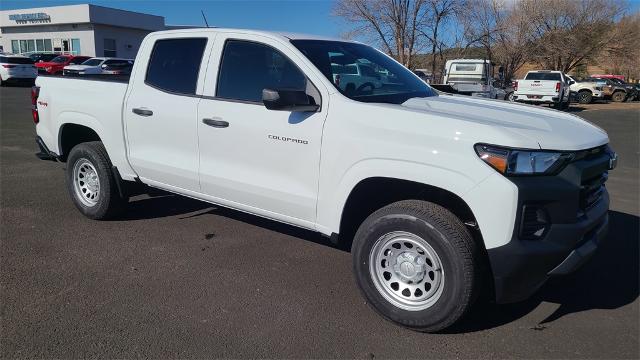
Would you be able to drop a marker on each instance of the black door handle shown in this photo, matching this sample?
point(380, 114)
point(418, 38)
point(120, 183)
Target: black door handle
point(216, 123)
point(142, 111)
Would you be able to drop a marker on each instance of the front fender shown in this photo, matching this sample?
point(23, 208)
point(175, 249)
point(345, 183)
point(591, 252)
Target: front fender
point(330, 215)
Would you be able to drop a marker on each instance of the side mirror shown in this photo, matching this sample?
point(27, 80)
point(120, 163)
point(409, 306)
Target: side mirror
point(104, 66)
point(288, 100)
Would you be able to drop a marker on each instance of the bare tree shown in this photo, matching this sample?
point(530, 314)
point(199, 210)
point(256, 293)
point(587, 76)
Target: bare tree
point(622, 55)
point(393, 24)
point(568, 33)
point(512, 42)
point(438, 13)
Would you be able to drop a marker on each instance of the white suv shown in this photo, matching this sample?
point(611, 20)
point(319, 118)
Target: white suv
point(100, 66)
point(16, 68)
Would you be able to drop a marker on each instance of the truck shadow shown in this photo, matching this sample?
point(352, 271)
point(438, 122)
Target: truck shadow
point(608, 281)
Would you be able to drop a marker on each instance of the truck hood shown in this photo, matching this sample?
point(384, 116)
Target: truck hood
point(551, 129)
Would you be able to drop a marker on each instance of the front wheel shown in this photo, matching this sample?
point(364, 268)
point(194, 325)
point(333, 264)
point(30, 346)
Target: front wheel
point(618, 96)
point(91, 183)
point(416, 264)
point(585, 97)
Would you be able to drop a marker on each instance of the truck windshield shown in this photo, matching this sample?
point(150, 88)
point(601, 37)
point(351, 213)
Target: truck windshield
point(380, 79)
point(543, 76)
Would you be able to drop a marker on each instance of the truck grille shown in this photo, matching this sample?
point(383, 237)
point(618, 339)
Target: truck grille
point(591, 191)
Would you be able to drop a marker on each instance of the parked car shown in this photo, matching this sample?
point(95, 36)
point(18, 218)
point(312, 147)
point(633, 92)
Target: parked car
point(16, 68)
point(55, 66)
point(100, 65)
point(612, 90)
point(608, 76)
point(585, 91)
point(354, 77)
point(504, 90)
point(42, 57)
point(543, 87)
point(441, 197)
point(422, 74)
point(632, 89)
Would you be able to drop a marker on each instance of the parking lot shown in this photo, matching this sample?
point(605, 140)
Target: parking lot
point(181, 278)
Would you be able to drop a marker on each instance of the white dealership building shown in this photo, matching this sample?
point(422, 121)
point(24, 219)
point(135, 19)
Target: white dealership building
point(76, 29)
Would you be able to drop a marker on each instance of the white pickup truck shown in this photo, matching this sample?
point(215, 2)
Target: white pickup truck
point(442, 196)
point(543, 87)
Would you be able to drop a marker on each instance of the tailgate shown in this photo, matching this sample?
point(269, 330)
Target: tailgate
point(537, 87)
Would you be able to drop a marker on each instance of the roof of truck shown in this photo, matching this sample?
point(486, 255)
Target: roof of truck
point(282, 35)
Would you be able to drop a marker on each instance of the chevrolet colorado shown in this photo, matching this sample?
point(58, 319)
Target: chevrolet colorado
point(441, 197)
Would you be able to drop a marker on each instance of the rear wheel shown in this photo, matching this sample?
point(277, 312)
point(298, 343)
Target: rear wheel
point(91, 183)
point(585, 97)
point(415, 263)
point(618, 96)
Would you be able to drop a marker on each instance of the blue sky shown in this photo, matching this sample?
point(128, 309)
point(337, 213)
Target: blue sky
point(304, 16)
point(308, 16)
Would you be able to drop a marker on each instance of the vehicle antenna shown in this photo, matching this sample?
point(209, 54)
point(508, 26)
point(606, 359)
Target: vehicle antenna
point(204, 17)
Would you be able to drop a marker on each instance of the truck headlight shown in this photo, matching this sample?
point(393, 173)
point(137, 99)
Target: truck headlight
point(514, 162)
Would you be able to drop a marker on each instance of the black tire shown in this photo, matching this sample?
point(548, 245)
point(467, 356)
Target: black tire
point(585, 97)
point(559, 105)
point(452, 243)
point(509, 97)
point(108, 203)
point(618, 96)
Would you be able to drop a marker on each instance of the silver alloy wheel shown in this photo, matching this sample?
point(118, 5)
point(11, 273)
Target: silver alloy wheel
point(406, 270)
point(86, 182)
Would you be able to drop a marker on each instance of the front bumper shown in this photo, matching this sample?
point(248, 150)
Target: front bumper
point(572, 235)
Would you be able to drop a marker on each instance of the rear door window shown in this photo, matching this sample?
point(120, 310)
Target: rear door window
point(175, 64)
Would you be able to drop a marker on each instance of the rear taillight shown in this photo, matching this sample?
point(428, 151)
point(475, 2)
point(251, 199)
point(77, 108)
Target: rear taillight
point(8, 66)
point(515, 86)
point(557, 87)
point(35, 92)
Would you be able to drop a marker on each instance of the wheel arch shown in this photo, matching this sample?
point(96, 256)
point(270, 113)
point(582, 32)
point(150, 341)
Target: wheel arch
point(360, 203)
point(72, 134)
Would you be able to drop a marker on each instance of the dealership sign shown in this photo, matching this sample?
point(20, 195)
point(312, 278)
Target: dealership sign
point(30, 18)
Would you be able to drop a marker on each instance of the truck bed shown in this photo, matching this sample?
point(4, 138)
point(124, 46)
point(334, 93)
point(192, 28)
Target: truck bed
point(94, 101)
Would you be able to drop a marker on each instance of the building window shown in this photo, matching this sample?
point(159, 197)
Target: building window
point(15, 46)
point(75, 46)
point(109, 48)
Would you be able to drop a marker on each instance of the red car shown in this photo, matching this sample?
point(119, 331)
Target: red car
point(55, 66)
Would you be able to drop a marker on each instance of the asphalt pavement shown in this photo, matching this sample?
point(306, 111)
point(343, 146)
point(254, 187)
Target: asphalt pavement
point(180, 278)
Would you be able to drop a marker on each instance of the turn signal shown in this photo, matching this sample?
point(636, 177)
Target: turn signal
point(496, 157)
